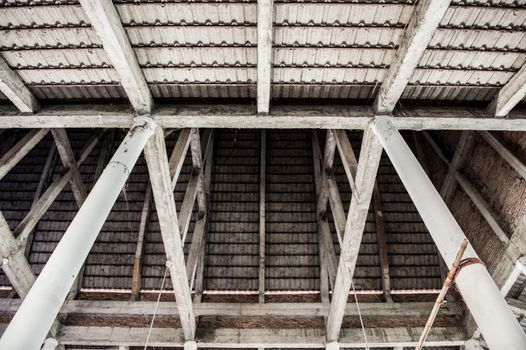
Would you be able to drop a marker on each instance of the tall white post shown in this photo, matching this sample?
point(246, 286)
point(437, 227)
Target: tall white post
point(28, 328)
point(495, 319)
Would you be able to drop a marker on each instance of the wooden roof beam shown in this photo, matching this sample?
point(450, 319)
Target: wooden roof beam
point(15, 90)
point(106, 21)
point(369, 161)
point(20, 150)
point(264, 30)
point(260, 338)
point(161, 182)
point(281, 117)
point(417, 36)
point(509, 95)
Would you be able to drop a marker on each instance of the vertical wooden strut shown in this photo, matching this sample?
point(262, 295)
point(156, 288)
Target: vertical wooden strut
point(262, 185)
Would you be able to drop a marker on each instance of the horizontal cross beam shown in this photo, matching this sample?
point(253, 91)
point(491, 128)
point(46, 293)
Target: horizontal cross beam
point(245, 116)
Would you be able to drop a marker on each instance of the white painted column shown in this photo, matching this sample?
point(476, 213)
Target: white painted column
point(495, 319)
point(30, 325)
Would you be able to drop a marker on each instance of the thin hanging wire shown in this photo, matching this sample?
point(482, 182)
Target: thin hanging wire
point(360, 315)
point(156, 309)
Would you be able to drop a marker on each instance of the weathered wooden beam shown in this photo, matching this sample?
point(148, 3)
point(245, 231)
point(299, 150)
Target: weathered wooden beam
point(16, 267)
point(37, 211)
point(195, 188)
point(198, 238)
point(104, 18)
point(201, 264)
point(68, 159)
point(464, 147)
point(505, 153)
point(326, 246)
point(417, 36)
point(47, 174)
point(350, 164)
point(161, 182)
point(382, 243)
point(20, 150)
point(15, 90)
point(14, 262)
point(262, 192)
point(139, 249)
point(509, 95)
point(370, 155)
point(197, 163)
point(324, 263)
point(328, 160)
point(471, 191)
point(264, 29)
point(260, 338)
point(178, 155)
point(105, 308)
point(280, 117)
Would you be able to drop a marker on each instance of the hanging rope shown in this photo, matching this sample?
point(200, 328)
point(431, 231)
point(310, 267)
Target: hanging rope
point(360, 316)
point(156, 309)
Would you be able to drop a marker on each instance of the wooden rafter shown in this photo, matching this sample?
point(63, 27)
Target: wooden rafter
point(509, 95)
point(471, 191)
point(281, 117)
point(417, 36)
point(105, 19)
point(68, 159)
point(161, 182)
point(20, 150)
point(370, 155)
point(264, 30)
point(12, 86)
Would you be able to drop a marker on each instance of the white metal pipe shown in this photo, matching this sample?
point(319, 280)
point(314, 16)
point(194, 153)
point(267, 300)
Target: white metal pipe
point(30, 325)
point(495, 319)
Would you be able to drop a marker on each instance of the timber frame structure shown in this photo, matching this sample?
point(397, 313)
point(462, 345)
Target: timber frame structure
point(222, 175)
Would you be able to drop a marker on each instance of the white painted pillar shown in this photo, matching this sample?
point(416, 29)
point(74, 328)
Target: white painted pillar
point(30, 325)
point(495, 319)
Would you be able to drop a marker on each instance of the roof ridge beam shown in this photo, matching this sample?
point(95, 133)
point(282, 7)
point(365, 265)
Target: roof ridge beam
point(264, 30)
point(15, 89)
point(509, 95)
point(416, 38)
point(106, 21)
